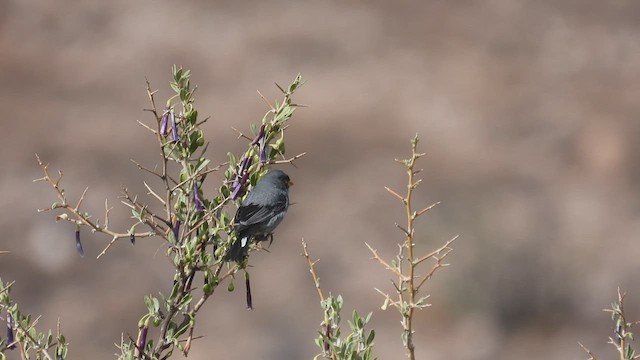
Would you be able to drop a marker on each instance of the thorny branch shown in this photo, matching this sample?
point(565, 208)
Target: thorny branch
point(74, 213)
point(312, 270)
point(197, 230)
point(622, 335)
point(406, 262)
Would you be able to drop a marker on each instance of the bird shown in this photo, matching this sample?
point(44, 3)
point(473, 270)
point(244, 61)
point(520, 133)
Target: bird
point(260, 213)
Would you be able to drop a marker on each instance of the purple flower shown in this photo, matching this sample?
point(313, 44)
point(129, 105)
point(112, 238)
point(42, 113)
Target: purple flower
point(79, 244)
point(259, 136)
point(245, 164)
point(174, 128)
point(247, 285)
point(176, 230)
point(261, 141)
point(236, 192)
point(263, 150)
point(243, 180)
point(327, 334)
point(196, 198)
point(143, 338)
point(164, 121)
point(238, 187)
point(10, 335)
point(132, 238)
point(241, 177)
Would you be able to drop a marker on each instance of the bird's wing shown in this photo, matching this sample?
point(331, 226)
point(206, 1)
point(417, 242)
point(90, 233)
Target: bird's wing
point(252, 213)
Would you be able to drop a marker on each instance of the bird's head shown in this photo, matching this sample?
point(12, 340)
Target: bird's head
point(281, 177)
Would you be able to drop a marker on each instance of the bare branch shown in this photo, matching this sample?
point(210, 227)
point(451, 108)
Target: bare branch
point(141, 167)
point(281, 89)
point(591, 356)
point(377, 257)
point(117, 237)
point(407, 287)
point(288, 161)
point(7, 287)
point(395, 194)
point(434, 268)
point(146, 127)
point(405, 231)
point(436, 251)
point(316, 279)
point(273, 109)
point(107, 210)
point(151, 192)
point(418, 213)
point(201, 174)
point(81, 198)
point(241, 135)
point(388, 300)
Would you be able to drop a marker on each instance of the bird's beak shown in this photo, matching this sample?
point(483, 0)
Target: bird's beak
point(290, 183)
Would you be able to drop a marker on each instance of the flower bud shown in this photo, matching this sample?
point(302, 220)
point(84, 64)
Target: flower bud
point(78, 243)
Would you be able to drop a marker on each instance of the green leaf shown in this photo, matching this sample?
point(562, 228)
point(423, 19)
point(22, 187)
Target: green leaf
point(196, 139)
point(143, 320)
point(232, 160)
point(285, 113)
point(175, 290)
point(293, 86)
point(422, 300)
point(279, 146)
point(372, 335)
point(355, 319)
point(207, 289)
point(186, 300)
point(184, 175)
point(629, 352)
point(177, 73)
point(224, 191)
point(225, 219)
point(171, 330)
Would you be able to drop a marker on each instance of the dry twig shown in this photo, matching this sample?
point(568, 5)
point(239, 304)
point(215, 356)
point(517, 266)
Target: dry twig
point(406, 262)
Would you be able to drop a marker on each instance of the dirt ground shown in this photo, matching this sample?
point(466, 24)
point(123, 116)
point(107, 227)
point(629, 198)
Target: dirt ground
point(528, 111)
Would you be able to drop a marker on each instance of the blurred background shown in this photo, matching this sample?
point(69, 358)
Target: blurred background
point(528, 111)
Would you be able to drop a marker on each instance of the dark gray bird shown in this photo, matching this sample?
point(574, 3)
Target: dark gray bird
point(260, 213)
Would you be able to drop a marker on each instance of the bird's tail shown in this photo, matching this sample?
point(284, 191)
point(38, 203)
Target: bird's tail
point(239, 249)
